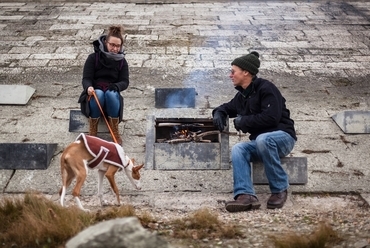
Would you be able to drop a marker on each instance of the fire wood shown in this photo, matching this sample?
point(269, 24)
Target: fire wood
point(178, 140)
point(208, 133)
point(189, 136)
point(229, 133)
point(168, 124)
point(194, 137)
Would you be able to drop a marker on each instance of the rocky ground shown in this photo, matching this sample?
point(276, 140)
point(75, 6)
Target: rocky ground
point(347, 215)
point(302, 215)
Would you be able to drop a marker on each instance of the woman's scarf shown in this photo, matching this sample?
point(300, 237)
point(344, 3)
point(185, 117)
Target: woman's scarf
point(114, 56)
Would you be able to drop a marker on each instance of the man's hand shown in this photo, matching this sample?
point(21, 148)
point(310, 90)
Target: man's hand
point(237, 123)
point(219, 121)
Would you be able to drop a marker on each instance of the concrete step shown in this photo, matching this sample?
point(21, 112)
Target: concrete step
point(26, 156)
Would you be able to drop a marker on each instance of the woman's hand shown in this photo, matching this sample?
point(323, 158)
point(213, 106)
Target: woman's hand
point(90, 90)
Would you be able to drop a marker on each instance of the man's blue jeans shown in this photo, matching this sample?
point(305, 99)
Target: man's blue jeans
point(267, 148)
point(109, 101)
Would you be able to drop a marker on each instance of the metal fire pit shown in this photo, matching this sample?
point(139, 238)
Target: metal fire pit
point(202, 148)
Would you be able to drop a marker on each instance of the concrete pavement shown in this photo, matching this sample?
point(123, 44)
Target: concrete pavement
point(317, 53)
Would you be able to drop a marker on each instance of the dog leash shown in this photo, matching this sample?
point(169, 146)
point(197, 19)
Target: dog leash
point(106, 121)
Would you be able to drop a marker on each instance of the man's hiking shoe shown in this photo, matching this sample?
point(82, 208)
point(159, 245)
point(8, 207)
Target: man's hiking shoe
point(277, 200)
point(243, 203)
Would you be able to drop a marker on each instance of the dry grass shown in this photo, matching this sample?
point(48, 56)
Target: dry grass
point(34, 221)
point(203, 224)
point(146, 218)
point(323, 236)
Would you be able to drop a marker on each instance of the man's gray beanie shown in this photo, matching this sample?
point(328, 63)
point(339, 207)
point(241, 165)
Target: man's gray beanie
point(249, 62)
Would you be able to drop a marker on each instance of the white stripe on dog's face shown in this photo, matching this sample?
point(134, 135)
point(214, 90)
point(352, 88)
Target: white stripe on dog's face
point(133, 173)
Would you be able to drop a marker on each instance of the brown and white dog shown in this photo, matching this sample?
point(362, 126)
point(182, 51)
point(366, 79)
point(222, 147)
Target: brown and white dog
point(89, 152)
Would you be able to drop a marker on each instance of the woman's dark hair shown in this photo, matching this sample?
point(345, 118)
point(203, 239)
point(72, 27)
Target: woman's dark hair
point(115, 31)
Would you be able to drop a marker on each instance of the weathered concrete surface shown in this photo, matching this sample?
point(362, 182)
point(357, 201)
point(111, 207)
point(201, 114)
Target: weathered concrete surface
point(317, 53)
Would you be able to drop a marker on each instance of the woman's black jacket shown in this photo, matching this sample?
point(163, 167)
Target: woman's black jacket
point(99, 69)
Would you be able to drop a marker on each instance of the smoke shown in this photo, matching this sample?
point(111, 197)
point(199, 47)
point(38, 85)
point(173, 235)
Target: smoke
point(175, 98)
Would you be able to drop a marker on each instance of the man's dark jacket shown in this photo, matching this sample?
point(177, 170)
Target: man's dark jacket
point(262, 108)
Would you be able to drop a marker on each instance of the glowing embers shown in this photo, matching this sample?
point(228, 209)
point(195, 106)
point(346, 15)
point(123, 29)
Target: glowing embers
point(191, 132)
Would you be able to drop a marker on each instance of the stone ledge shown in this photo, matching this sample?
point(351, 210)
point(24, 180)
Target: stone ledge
point(296, 167)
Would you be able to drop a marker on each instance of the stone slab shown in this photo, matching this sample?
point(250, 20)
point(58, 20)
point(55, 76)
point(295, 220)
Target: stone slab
point(15, 94)
point(353, 122)
point(26, 156)
point(78, 123)
point(296, 167)
point(175, 97)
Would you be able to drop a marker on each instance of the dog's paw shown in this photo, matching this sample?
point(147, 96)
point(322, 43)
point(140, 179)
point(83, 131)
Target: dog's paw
point(105, 203)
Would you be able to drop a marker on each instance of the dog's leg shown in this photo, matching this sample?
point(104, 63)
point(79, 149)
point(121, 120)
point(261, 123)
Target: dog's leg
point(67, 176)
point(100, 187)
point(110, 176)
point(62, 191)
point(81, 173)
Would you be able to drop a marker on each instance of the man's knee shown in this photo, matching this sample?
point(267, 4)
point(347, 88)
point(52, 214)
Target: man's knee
point(236, 148)
point(263, 140)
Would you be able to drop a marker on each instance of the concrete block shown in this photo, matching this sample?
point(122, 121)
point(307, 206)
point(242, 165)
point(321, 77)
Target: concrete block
point(26, 156)
point(175, 98)
point(78, 123)
point(354, 122)
point(15, 94)
point(188, 156)
point(296, 167)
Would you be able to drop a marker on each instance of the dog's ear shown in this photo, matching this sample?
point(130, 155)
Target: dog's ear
point(137, 168)
point(133, 161)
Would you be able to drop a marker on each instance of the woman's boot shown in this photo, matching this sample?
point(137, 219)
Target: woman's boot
point(93, 130)
point(113, 123)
